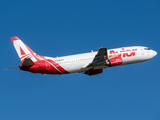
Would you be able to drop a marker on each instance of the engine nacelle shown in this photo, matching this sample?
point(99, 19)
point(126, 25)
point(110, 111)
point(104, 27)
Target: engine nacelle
point(117, 60)
point(94, 72)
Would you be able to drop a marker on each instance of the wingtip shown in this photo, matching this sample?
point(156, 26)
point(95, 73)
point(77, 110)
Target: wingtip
point(14, 38)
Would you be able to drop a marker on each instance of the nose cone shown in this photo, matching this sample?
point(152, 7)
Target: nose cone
point(154, 53)
point(147, 54)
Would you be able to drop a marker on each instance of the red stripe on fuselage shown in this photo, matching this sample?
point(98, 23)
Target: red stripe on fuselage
point(45, 66)
point(60, 68)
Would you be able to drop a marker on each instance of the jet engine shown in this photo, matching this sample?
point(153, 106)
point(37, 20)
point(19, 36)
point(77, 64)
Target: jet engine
point(114, 61)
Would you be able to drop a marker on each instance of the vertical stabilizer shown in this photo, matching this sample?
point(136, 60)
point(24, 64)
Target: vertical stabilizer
point(23, 50)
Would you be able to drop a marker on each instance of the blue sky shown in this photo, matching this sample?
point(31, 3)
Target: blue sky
point(59, 27)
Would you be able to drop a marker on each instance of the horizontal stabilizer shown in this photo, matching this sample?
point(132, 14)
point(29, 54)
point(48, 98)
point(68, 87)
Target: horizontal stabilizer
point(11, 68)
point(27, 62)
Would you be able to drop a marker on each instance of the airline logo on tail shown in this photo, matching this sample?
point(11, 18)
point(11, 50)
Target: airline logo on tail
point(23, 50)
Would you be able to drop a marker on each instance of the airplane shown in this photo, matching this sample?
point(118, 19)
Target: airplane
point(91, 63)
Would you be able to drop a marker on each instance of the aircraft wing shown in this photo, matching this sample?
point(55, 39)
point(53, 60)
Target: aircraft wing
point(100, 58)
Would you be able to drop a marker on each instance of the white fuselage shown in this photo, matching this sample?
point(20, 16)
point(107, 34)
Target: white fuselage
point(129, 55)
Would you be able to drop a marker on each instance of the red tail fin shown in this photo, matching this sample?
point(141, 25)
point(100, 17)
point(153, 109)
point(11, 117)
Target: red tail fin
point(23, 50)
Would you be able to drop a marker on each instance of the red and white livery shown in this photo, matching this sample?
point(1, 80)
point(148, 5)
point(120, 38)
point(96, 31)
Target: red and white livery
point(91, 63)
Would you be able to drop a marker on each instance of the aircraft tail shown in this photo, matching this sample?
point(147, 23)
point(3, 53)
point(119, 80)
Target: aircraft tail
point(23, 50)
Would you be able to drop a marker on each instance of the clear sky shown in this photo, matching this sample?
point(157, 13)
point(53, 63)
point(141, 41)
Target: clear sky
point(64, 27)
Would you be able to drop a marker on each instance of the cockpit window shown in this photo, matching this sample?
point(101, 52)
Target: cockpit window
point(146, 48)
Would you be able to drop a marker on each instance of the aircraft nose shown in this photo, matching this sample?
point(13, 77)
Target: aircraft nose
point(154, 53)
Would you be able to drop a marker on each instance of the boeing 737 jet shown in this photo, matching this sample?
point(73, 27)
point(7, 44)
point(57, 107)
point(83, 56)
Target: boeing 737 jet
point(91, 63)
